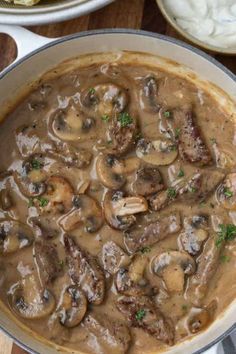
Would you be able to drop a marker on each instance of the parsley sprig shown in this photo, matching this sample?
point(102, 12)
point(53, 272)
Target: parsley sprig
point(226, 233)
point(125, 119)
point(140, 314)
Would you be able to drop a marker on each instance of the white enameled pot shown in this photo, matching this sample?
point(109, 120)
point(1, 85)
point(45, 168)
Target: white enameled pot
point(37, 55)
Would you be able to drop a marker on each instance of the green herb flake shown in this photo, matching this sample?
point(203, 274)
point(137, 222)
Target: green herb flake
point(167, 114)
point(213, 141)
point(92, 90)
point(181, 173)
point(192, 189)
point(36, 165)
point(171, 193)
point(61, 263)
point(125, 119)
point(145, 250)
point(227, 192)
point(177, 132)
point(140, 314)
point(109, 142)
point(202, 204)
point(224, 259)
point(226, 233)
point(184, 308)
point(43, 201)
point(105, 118)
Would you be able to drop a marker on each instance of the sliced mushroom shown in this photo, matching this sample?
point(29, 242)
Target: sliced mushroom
point(6, 197)
point(85, 272)
point(113, 257)
point(112, 171)
point(47, 261)
point(149, 95)
point(58, 196)
point(119, 210)
point(226, 192)
point(194, 234)
point(14, 236)
point(86, 212)
point(224, 157)
point(148, 180)
point(198, 320)
point(105, 99)
point(173, 266)
point(157, 152)
point(30, 301)
point(32, 175)
point(73, 307)
point(27, 140)
point(72, 125)
point(131, 281)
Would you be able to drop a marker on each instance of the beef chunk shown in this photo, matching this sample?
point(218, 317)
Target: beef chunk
point(136, 239)
point(141, 312)
point(192, 147)
point(47, 261)
point(112, 335)
point(196, 189)
point(85, 271)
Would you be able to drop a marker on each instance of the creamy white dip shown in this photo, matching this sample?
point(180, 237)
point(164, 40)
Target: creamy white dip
point(211, 21)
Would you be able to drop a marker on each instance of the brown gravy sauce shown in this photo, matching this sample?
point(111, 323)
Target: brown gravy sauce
point(38, 126)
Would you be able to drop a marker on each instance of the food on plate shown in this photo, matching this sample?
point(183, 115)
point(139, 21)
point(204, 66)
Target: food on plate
point(117, 208)
point(24, 2)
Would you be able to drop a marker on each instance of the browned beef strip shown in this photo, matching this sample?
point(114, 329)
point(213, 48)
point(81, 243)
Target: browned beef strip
point(112, 335)
point(113, 257)
point(136, 239)
point(47, 261)
point(207, 264)
point(196, 189)
point(85, 271)
point(141, 312)
point(192, 147)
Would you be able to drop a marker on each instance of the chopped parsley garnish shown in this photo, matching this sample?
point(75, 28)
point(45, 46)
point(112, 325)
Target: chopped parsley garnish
point(167, 114)
point(227, 192)
point(202, 204)
point(105, 118)
point(177, 132)
point(140, 314)
point(171, 192)
point(124, 119)
point(181, 173)
point(61, 263)
point(213, 141)
point(109, 142)
point(184, 307)
point(224, 259)
point(92, 90)
point(43, 201)
point(192, 189)
point(226, 233)
point(145, 249)
point(36, 165)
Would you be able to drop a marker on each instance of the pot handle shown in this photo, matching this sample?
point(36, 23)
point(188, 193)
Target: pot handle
point(26, 41)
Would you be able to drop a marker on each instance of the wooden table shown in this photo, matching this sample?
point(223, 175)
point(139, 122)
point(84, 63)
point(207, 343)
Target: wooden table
point(136, 14)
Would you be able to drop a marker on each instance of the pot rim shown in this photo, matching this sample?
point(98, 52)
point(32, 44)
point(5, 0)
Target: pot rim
point(132, 32)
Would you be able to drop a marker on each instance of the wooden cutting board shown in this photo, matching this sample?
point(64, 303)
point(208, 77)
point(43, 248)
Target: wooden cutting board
point(135, 14)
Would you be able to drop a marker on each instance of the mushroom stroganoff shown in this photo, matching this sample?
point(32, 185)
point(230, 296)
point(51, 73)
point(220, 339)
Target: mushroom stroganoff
point(118, 208)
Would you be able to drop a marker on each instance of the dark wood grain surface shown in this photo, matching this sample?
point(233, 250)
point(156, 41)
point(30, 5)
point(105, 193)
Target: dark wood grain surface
point(135, 14)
